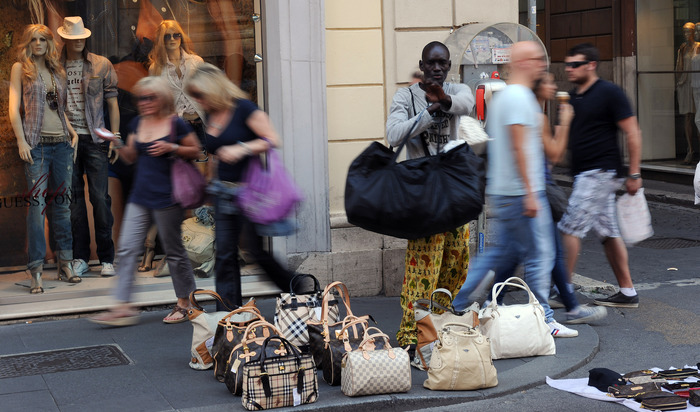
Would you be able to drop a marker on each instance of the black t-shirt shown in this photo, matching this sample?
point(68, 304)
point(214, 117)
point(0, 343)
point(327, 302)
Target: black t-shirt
point(593, 133)
point(236, 131)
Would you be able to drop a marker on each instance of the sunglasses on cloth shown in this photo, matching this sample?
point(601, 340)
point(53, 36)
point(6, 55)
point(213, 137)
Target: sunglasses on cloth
point(576, 65)
point(176, 36)
point(52, 100)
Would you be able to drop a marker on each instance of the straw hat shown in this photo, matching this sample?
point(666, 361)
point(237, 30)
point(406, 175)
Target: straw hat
point(73, 29)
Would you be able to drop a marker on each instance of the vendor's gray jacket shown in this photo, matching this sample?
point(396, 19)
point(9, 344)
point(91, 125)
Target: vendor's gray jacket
point(442, 126)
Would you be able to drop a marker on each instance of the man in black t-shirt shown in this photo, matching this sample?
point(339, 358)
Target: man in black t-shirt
point(601, 108)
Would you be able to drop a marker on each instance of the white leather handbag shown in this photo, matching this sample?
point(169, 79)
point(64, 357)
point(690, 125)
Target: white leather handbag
point(518, 330)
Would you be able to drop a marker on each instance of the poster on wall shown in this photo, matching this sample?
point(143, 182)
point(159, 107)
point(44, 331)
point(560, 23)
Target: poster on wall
point(222, 32)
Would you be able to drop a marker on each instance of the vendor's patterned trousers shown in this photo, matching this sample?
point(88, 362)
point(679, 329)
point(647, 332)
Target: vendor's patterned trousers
point(438, 261)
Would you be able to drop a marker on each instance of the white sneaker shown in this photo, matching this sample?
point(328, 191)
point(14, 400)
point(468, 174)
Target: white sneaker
point(80, 267)
point(107, 269)
point(560, 331)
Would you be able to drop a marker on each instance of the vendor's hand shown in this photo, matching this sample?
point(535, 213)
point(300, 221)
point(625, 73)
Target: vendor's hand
point(566, 114)
point(161, 148)
point(433, 91)
point(632, 185)
point(25, 152)
point(232, 153)
point(112, 153)
point(530, 205)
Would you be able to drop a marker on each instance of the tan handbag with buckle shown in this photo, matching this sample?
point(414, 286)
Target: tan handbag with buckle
point(428, 323)
point(230, 330)
point(461, 360)
point(371, 371)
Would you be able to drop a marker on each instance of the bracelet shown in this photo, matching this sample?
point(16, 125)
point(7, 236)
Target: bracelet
point(248, 150)
point(635, 176)
point(117, 134)
point(176, 146)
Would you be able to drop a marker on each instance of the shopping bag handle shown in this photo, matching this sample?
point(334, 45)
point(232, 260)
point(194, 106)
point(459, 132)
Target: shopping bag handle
point(317, 287)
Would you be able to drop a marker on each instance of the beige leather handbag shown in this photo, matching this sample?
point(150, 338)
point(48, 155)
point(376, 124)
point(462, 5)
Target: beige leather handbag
point(461, 360)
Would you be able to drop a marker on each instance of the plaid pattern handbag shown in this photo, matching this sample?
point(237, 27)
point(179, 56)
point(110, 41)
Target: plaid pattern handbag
point(294, 310)
point(248, 349)
point(229, 333)
point(279, 381)
point(370, 371)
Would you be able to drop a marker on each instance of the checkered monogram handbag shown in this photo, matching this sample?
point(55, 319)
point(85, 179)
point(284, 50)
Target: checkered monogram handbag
point(294, 310)
point(339, 342)
point(279, 381)
point(229, 333)
point(371, 371)
point(248, 349)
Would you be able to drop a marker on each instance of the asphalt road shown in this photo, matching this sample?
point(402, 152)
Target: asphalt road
point(663, 332)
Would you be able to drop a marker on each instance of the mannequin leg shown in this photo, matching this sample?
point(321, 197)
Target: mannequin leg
point(689, 132)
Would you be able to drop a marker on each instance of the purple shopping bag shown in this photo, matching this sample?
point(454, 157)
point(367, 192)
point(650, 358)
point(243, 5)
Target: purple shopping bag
point(269, 193)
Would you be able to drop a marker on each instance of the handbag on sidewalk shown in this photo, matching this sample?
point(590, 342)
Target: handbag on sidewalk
point(230, 331)
point(428, 323)
point(518, 330)
point(279, 381)
point(461, 360)
point(371, 371)
point(339, 342)
point(327, 326)
point(249, 348)
point(294, 310)
point(204, 327)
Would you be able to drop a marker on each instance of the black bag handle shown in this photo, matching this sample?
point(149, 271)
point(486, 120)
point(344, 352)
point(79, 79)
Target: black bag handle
point(291, 349)
point(317, 287)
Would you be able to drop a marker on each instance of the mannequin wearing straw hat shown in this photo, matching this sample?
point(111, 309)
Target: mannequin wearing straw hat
point(92, 84)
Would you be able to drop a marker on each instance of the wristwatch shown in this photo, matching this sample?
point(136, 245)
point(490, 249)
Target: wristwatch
point(635, 176)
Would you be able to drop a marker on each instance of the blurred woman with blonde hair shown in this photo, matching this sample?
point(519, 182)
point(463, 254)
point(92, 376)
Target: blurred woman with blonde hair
point(236, 130)
point(46, 143)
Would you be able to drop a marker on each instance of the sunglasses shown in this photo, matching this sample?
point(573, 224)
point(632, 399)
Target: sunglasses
point(52, 100)
point(576, 65)
point(196, 94)
point(146, 98)
point(176, 36)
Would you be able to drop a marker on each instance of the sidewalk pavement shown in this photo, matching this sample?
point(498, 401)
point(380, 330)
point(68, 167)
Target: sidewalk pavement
point(158, 378)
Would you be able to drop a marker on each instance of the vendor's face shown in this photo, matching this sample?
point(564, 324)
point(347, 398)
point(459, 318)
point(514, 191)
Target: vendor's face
point(39, 45)
point(75, 45)
point(172, 39)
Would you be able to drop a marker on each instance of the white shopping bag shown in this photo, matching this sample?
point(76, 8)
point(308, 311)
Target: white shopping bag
point(634, 218)
point(696, 184)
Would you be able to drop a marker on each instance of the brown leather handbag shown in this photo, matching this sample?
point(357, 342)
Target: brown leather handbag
point(328, 322)
point(229, 333)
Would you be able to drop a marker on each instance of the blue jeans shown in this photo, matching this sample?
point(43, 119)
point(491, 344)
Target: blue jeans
point(229, 225)
point(49, 185)
point(92, 161)
point(519, 239)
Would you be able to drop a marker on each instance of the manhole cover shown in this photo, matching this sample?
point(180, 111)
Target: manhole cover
point(62, 360)
point(667, 243)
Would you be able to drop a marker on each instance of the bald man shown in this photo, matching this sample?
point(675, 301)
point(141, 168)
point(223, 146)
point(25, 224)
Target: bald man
point(516, 187)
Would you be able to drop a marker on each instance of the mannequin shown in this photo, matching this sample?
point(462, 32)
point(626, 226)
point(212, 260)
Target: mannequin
point(695, 77)
point(684, 92)
point(47, 144)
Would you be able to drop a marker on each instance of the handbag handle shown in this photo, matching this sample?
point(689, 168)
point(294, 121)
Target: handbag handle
point(470, 330)
point(349, 321)
point(370, 336)
point(193, 299)
point(516, 282)
point(289, 347)
point(342, 292)
point(251, 309)
point(446, 292)
point(266, 333)
point(300, 276)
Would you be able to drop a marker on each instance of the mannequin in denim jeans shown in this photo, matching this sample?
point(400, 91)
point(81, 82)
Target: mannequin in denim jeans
point(46, 143)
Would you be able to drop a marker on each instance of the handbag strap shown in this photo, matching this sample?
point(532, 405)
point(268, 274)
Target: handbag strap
point(446, 292)
point(267, 326)
point(193, 299)
point(317, 287)
point(470, 330)
point(226, 320)
point(291, 351)
point(516, 282)
point(342, 293)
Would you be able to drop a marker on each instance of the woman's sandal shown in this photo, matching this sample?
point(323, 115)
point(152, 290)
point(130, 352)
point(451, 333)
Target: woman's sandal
point(65, 272)
point(116, 318)
point(176, 309)
point(36, 286)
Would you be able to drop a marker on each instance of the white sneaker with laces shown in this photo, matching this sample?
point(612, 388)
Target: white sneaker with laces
point(560, 331)
point(80, 267)
point(107, 269)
